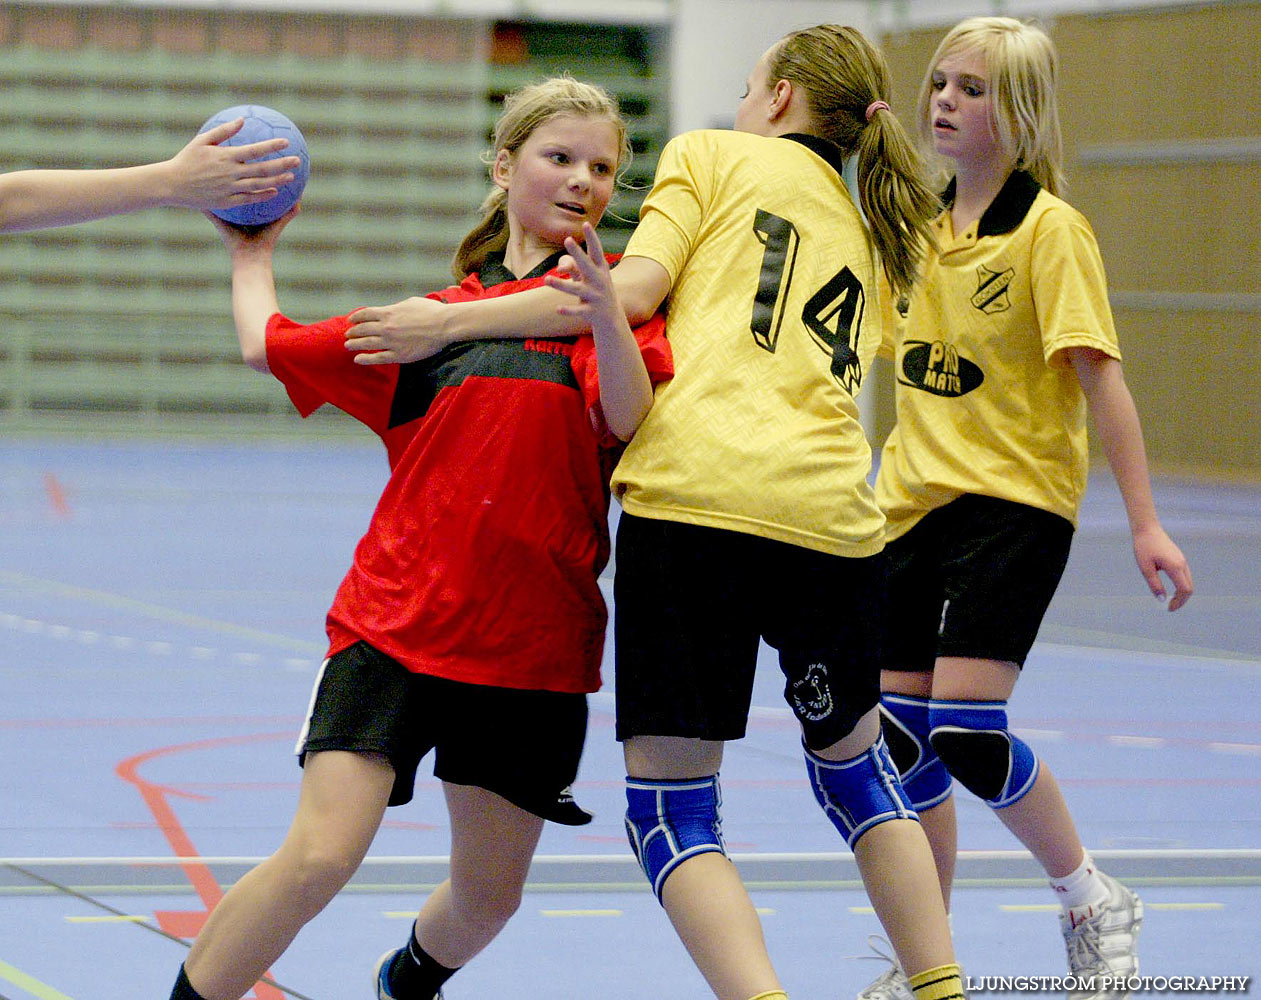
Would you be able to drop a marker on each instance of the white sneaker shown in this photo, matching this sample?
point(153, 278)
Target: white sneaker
point(891, 984)
point(1104, 946)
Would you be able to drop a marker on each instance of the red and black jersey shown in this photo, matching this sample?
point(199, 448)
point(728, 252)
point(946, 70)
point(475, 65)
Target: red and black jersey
point(481, 560)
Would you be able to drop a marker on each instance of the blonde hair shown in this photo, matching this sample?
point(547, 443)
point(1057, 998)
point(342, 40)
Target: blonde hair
point(524, 111)
point(842, 75)
point(1021, 68)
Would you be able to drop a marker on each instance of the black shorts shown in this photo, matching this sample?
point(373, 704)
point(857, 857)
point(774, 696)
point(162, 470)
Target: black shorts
point(973, 578)
point(690, 605)
point(522, 745)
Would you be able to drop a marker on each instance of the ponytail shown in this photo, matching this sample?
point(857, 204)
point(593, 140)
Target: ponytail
point(846, 82)
point(895, 198)
point(488, 236)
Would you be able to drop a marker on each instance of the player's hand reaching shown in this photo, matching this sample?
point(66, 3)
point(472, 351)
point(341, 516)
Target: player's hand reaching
point(405, 331)
point(625, 389)
point(588, 279)
point(1156, 552)
point(205, 174)
point(252, 241)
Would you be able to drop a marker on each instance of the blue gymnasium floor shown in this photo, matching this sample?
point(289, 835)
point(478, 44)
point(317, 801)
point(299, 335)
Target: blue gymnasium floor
point(161, 606)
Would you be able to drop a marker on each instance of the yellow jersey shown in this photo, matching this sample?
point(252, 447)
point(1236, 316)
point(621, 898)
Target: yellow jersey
point(987, 400)
point(774, 319)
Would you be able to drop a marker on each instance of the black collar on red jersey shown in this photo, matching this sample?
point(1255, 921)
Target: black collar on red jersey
point(830, 151)
point(1009, 207)
point(493, 272)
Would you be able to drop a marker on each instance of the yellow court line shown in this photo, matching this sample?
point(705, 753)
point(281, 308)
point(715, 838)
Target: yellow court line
point(410, 914)
point(764, 911)
point(134, 918)
point(581, 913)
point(29, 983)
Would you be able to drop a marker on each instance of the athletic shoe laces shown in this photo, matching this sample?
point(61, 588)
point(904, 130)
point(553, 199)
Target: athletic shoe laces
point(891, 984)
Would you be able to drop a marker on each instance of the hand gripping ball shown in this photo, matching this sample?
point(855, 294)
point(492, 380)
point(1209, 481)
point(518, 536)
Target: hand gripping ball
point(262, 123)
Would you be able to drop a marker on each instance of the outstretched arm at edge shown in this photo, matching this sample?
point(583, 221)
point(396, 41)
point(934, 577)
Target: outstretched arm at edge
point(203, 174)
point(1117, 423)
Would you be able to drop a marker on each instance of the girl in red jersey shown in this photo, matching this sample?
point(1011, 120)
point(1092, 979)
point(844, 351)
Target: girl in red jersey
point(470, 623)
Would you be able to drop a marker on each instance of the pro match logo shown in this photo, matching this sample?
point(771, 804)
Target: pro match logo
point(938, 368)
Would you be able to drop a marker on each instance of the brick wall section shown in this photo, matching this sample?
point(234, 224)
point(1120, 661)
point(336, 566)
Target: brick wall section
point(48, 27)
point(122, 31)
point(186, 32)
point(326, 36)
point(375, 38)
point(316, 37)
point(244, 33)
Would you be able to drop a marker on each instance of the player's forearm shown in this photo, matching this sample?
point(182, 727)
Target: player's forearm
point(253, 304)
point(625, 389)
point(1122, 440)
point(534, 313)
point(1120, 433)
point(530, 313)
point(641, 285)
point(36, 199)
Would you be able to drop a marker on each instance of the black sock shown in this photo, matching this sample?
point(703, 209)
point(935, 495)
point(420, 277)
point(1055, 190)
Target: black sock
point(183, 989)
point(415, 974)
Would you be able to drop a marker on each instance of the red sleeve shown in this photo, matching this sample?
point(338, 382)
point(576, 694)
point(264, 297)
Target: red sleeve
point(312, 363)
point(653, 348)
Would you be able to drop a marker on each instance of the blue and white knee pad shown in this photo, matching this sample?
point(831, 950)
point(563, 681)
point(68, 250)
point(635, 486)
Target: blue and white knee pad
point(977, 747)
point(859, 793)
point(904, 721)
point(668, 822)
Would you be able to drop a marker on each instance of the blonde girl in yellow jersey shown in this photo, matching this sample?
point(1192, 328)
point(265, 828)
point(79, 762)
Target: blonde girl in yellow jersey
point(1000, 351)
point(747, 513)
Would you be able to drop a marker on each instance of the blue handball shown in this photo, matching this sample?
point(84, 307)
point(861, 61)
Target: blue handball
point(263, 123)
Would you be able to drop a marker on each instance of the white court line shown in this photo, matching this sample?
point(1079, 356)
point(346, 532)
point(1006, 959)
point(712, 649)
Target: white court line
point(157, 612)
point(1141, 742)
point(87, 637)
point(1069, 640)
point(1241, 854)
point(1248, 749)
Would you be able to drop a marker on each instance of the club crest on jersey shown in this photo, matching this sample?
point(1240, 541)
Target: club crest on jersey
point(991, 290)
point(938, 368)
point(810, 694)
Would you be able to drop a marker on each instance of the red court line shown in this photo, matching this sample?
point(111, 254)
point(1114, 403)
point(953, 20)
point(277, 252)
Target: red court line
point(56, 496)
point(157, 797)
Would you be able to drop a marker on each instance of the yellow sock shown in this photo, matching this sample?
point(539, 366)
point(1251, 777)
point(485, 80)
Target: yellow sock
point(942, 983)
point(771, 995)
